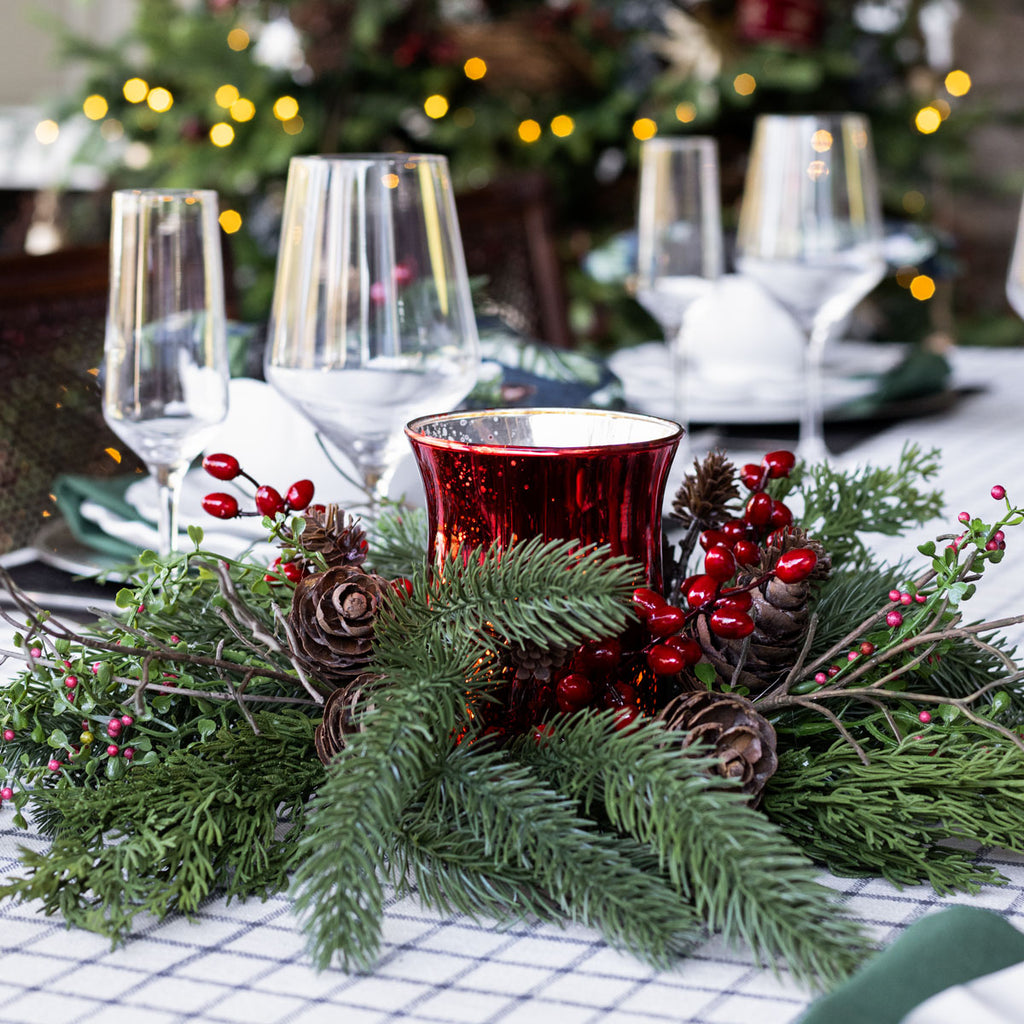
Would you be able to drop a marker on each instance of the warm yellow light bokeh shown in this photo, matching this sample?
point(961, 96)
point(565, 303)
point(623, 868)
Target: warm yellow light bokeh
point(644, 128)
point(95, 107)
point(685, 112)
point(817, 169)
point(293, 125)
point(942, 107)
point(285, 108)
point(135, 90)
point(238, 39)
point(475, 68)
point(390, 180)
point(922, 287)
point(230, 221)
point(160, 99)
point(744, 84)
point(927, 120)
point(529, 130)
point(435, 106)
point(243, 109)
point(226, 95)
point(222, 134)
point(821, 141)
point(562, 125)
point(47, 132)
point(958, 83)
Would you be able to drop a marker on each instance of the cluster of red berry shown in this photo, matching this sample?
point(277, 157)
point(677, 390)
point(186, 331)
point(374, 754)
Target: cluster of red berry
point(268, 500)
point(734, 545)
point(593, 677)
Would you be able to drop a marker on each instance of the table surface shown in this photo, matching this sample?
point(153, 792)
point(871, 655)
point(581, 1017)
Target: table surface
point(244, 962)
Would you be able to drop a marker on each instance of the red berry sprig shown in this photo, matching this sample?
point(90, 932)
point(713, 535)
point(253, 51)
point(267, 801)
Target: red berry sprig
point(267, 499)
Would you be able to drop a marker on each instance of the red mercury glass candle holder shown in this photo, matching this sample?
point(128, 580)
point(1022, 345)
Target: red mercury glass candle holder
point(504, 475)
point(501, 475)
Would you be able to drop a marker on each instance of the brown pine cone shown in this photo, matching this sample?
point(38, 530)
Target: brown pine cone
point(781, 618)
point(330, 532)
point(704, 495)
point(332, 620)
point(743, 740)
point(340, 716)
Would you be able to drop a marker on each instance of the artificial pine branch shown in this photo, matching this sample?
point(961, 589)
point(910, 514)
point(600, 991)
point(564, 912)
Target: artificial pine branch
point(170, 834)
point(518, 823)
point(551, 593)
point(371, 783)
point(746, 879)
point(892, 817)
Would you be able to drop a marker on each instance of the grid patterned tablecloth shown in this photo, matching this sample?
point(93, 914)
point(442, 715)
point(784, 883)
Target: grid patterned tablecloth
point(243, 963)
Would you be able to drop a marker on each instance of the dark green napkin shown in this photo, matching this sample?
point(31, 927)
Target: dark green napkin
point(70, 490)
point(951, 947)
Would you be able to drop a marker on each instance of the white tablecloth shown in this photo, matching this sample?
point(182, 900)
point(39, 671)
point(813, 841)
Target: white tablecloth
point(244, 963)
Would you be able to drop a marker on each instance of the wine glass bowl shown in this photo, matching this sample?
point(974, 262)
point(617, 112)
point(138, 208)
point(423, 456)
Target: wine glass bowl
point(810, 233)
point(372, 322)
point(679, 239)
point(165, 384)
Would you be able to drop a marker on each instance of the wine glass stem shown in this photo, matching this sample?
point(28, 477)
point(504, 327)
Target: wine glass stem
point(811, 444)
point(680, 369)
point(168, 483)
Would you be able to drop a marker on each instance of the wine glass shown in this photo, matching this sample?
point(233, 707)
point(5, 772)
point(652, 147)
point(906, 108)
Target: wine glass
point(372, 322)
point(679, 239)
point(165, 385)
point(810, 232)
point(1015, 274)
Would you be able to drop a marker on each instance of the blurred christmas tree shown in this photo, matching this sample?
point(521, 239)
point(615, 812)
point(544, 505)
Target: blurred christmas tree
point(221, 93)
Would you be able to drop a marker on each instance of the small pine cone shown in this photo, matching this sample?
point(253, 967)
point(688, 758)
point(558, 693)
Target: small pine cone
point(330, 532)
point(342, 716)
point(332, 621)
point(704, 495)
point(781, 618)
point(743, 740)
point(531, 661)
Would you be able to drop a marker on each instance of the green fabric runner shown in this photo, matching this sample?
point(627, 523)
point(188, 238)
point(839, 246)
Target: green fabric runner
point(951, 947)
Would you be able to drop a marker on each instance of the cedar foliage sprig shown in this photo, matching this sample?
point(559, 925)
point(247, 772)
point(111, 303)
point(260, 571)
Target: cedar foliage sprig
point(169, 834)
point(894, 816)
point(767, 898)
point(841, 507)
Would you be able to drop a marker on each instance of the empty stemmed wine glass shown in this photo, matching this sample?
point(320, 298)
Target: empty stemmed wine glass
point(810, 233)
point(165, 384)
point(372, 322)
point(1015, 273)
point(679, 239)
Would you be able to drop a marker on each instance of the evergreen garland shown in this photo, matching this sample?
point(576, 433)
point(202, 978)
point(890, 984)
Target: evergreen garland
point(580, 819)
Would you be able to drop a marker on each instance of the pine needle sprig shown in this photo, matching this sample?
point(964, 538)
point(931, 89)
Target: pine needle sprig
point(551, 593)
point(892, 816)
point(168, 835)
point(592, 877)
point(337, 888)
point(744, 876)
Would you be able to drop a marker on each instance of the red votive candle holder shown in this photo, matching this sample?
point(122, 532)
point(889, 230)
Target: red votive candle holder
point(500, 475)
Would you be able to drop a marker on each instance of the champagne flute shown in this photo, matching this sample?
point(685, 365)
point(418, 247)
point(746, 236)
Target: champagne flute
point(810, 232)
point(165, 384)
point(679, 240)
point(1015, 274)
point(372, 322)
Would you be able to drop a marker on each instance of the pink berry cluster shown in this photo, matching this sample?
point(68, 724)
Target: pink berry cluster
point(267, 499)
